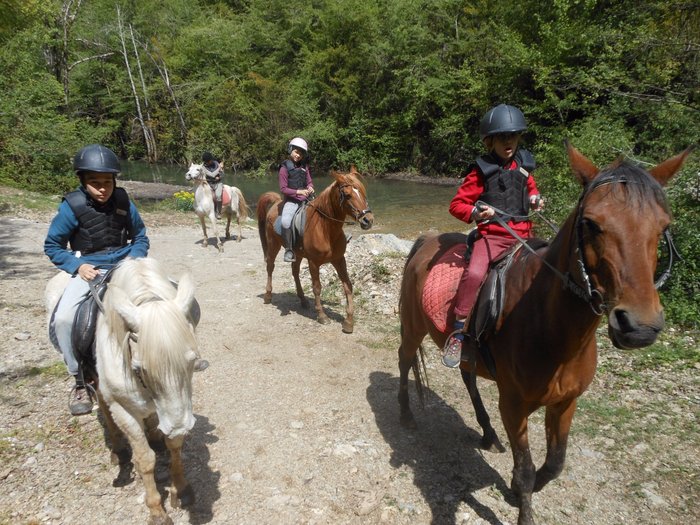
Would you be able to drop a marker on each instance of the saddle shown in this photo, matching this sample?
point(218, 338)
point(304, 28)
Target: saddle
point(85, 324)
point(441, 286)
point(297, 227)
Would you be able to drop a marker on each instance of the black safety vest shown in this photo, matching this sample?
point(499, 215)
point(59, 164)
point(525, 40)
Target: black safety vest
point(101, 227)
point(507, 189)
point(297, 175)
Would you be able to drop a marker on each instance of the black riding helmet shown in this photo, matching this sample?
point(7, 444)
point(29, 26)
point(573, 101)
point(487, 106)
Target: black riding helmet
point(207, 157)
point(96, 157)
point(502, 119)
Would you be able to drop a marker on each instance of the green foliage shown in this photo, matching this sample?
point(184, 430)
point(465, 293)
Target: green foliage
point(396, 85)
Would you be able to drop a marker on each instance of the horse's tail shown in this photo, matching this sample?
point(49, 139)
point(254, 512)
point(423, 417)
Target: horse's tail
point(243, 210)
point(420, 372)
point(265, 202)
point(414, 249)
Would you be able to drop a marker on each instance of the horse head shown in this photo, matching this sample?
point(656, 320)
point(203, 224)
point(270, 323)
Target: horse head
point(620, 219)
point(159, 343)
point(353, 197)
point(194, 173)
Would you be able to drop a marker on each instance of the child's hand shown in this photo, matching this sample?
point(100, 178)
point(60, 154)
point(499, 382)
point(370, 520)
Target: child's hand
point(482, 212)
point(88, 272)
point(537, 202)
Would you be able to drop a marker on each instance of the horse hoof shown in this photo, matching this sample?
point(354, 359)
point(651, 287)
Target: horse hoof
point(267, 299)
point(322, 320)
point(348, 327)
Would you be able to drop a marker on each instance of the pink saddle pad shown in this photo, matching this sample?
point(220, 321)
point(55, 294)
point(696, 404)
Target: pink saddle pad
point(441, 287)
point(225, 198)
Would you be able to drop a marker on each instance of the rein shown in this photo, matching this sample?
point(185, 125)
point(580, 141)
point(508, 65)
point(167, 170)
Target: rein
point(357, 214)
point(587, 292)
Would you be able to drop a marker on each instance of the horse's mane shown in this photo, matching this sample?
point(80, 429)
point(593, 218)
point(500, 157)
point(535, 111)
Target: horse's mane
point(165, 334)
point(640, 187)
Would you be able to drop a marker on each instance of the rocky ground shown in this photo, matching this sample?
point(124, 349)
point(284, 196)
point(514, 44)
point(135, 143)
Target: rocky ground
point(298, 422)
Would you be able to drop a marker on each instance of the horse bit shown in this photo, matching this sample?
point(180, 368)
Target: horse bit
point(356, 213)
point(586, 291)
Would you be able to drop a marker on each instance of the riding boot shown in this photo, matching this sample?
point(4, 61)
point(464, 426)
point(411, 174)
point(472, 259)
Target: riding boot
point(80, 402)
point(287, 243)
point(217, 209)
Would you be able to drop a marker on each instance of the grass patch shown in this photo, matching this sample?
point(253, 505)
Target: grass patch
point(12, 199)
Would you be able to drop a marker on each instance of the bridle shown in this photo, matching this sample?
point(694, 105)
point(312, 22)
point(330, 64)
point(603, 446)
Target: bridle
point(580, 285)
point(357, 214)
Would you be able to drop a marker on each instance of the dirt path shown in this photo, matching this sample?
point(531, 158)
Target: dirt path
point(296, 422)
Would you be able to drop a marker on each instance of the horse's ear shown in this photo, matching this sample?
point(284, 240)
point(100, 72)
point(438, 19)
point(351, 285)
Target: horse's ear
point(336, 175)
point(583, 168)
point(353, 169)
point(185, 294)
point(127, 310)
point(668, 168)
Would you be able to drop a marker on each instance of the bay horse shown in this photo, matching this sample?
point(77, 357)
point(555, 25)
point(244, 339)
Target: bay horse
point(233, 205)
point(145, 350)
point(323, 239)
point(543, 348)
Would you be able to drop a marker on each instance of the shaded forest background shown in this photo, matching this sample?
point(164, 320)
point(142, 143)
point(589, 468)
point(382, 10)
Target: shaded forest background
point(388, 85)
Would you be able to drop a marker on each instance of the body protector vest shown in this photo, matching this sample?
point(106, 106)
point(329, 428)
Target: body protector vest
point(506, 189)
point(297, 175)
point(100, 227)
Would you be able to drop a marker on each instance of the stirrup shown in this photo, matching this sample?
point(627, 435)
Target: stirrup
point(452, 351)
point(289, 256)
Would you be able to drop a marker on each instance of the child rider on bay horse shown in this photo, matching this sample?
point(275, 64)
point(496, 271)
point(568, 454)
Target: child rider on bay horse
point(499, 184)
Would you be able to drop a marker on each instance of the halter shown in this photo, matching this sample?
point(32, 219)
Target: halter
point(586, 291)
point(343, 199)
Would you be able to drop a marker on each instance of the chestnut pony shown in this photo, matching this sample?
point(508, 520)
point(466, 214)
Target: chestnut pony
point(544, 347)
point(324, 240)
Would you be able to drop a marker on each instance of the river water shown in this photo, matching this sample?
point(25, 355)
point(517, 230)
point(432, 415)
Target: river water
point(406, 209)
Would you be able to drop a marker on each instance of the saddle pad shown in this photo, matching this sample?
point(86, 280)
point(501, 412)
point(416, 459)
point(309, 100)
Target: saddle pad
point(441, 287)
point(225, 198)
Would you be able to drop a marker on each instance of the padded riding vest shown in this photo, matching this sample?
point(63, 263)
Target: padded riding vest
point(101, 227)
point(507, 189)
point(297, 175)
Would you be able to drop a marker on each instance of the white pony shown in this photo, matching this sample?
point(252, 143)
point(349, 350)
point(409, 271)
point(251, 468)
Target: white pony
point(233, 204)
point(145, 352)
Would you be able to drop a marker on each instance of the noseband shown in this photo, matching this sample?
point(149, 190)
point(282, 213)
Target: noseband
point(343, 200)
point(586, 291)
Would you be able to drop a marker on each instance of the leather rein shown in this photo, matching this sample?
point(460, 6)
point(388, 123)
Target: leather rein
point(586, 291)
point(357, 214)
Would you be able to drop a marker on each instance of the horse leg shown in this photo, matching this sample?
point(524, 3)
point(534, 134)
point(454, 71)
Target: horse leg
point(321, 316)
point(557, 424)
point(215, 228)
point(489, 441)
point(117, 440)
point(228, 225)
point(408, 357)
point(181, 492)
point(205, 241)
point(240, 231)
point(273, 248)
point(515, 422)
point(341, 268)
point(144, 460)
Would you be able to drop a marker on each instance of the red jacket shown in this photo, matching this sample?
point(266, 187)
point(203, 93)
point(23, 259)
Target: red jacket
point(472, 187)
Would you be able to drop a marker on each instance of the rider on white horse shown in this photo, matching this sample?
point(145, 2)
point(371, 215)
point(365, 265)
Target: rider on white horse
point(102, 227)
point(214, 173)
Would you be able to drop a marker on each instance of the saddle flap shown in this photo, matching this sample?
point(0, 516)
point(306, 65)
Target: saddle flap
point(298, 225)
point(84, 324)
